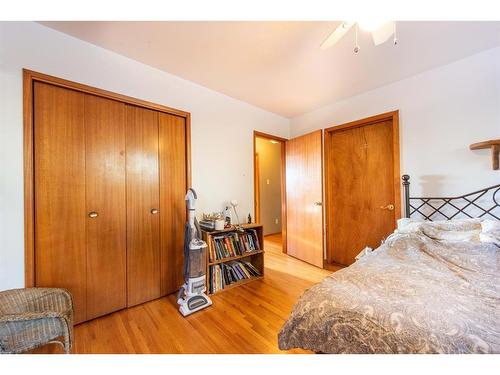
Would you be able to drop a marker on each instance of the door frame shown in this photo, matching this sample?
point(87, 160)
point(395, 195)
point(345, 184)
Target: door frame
point(29, 79)
point(388, 116)
point(256, 189)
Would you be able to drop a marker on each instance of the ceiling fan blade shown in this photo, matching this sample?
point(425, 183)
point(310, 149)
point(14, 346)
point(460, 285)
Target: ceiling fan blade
point(383, 33)
point(335, 36)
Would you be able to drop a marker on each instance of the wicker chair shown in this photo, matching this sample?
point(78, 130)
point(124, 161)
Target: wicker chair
point(33, 317)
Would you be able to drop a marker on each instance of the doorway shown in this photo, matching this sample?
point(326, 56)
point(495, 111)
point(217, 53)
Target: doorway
point(269, 185)
point(362, 190)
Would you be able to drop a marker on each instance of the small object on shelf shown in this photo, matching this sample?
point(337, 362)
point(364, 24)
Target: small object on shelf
point(219, 224)
point(237, 225)
point(234, 203)
point(212, 221)
point(494, 145)
point(208, 225)
point(227, 217)
point(234, 256)
point(213, 216)
point(249, 221)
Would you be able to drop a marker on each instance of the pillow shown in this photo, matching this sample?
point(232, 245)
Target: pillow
point(453, 230)
point(490, 231)
point(407, 225)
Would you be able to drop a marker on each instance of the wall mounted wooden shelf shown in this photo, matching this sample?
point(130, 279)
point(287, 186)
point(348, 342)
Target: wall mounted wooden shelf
point(494, 145)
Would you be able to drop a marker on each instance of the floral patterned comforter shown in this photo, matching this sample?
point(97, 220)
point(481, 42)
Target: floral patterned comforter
point(412, 295)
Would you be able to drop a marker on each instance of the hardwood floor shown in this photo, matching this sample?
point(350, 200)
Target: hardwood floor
point(245, 319)
point(274, 242)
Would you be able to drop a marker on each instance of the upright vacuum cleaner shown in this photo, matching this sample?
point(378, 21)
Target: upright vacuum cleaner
point(191, 296)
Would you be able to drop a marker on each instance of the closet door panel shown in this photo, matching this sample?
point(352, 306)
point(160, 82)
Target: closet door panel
point(59, 149)
point(143, 240)
point(105, 190)
point(172, 142)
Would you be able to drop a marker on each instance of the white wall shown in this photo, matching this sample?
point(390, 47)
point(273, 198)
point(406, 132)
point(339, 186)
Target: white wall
point(442, 111)
point(222, 127)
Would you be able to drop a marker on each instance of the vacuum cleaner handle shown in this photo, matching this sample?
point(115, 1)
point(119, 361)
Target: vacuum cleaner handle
point(191, 198)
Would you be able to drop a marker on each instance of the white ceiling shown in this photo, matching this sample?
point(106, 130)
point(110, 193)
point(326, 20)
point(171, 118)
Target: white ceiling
point(279, 66)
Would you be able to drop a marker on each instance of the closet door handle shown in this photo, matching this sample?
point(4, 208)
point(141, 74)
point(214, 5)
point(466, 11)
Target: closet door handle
point(318, 203)
point(93, 214)
point(154, 211)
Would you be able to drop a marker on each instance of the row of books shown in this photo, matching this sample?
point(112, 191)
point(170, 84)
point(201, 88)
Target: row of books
point(221, 275)
point(233, 244)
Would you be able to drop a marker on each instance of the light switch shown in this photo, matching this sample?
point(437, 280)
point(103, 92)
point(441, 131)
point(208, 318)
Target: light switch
point(267, 181)
point(275, 221)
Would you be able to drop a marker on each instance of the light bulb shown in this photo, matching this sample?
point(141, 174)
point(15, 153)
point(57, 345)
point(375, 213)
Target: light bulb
point(371, 24)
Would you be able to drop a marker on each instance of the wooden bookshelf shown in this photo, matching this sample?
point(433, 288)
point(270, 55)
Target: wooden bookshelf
point(256, 258)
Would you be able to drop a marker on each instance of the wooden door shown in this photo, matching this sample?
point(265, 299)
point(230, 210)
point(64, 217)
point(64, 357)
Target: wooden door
point(362, 185)
point(304, 198)
point(143, 205)
point(106, 214)
point(173, 178)
point(60, 212)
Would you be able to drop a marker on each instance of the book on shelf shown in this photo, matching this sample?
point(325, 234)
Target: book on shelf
point(224, 274)
point(232, 244)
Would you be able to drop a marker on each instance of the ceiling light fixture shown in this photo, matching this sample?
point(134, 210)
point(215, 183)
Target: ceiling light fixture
point(371, 25)
point(380, 30)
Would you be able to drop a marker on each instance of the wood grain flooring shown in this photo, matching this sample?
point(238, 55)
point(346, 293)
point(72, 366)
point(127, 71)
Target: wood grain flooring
point(246, 319)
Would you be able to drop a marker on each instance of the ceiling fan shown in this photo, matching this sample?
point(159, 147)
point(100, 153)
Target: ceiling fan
point(381, 32)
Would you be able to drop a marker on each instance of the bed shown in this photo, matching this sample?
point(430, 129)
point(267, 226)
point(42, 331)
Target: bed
point(432, 287)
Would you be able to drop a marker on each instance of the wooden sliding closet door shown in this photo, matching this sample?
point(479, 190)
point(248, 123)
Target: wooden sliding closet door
point(143, 205)
point(106, 214)
point(173, 178)
point(60, 215)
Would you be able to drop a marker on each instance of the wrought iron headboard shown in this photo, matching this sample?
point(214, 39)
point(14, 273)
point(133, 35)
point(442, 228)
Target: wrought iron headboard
point(478, 204)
